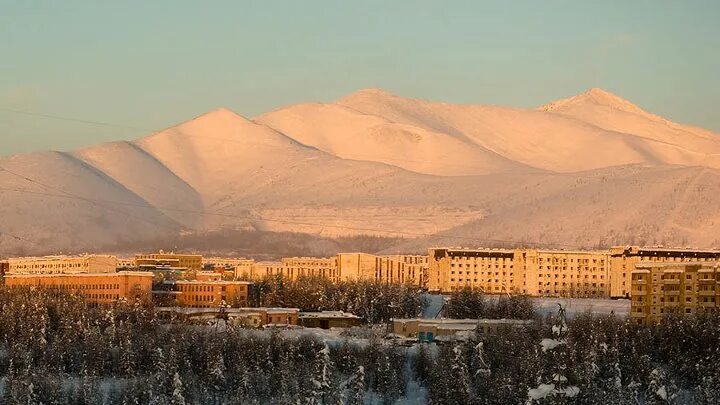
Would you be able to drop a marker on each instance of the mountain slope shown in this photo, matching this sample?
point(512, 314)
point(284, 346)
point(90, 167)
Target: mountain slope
point(541, 139)
point(589, 170)
point(608, 111)
point(65, 206)
point(352, 135)
point(145, 176)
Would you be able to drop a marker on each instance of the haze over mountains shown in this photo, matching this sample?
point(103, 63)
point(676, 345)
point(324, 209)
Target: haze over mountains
point(585, 171)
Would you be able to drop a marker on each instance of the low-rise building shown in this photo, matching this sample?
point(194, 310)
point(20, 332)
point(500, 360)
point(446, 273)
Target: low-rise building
point(328, 319)
point(209, 294)
point(429, 330)
point(660, 288)
point(244, 317)
point(60, 264)
point(95, 288)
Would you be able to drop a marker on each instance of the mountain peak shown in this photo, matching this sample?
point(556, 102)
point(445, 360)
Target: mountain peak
point(597, 97)
point(368, 93)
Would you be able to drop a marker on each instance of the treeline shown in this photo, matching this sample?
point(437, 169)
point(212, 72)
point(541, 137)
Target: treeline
point(473, 304)
point(372, 301)
point(55, 350)
point(599, 360)
point(261, 245)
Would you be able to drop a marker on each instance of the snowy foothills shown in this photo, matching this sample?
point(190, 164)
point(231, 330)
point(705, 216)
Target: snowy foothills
point(586, 171)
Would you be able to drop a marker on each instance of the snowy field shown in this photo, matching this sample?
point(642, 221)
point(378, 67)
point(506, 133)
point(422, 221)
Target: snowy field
point(547, 305)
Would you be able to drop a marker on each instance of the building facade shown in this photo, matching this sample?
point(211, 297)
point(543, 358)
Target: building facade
point(96, 288)
point(624, 258)
point(395, 269)
point(189, 262)
point(660, 288)
point(211, 294)
point(534, 272)
point(60, 264)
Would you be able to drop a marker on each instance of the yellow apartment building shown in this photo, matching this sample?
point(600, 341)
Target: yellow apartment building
point(563, 273)
point(396, 269)
point(95, 288)
point(659, 288)
point(624, 258)
point(189, 262)
point(60, 264)
point(489, 270)
point(311, 266)
point(557, 273)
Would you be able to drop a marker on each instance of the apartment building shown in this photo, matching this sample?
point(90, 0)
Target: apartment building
point(95, 288)
point(174, 260)
point(384, 269)
point(311, 266)
point(562, 273)
point(489, 270)
point(659, 288)
point(557, 273)
point(210, 294)
point(239, 268)
point(59, 264)
point(624, 258)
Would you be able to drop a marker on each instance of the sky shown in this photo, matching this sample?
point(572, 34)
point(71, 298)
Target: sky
point(143, 66)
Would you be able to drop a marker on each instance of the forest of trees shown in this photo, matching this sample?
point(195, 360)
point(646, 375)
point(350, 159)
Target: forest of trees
point(56, 350)
point(372, 301)
point(472, 304)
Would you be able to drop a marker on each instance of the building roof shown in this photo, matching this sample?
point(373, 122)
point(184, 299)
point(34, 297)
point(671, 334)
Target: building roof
point(213, 282)
point(328, 314)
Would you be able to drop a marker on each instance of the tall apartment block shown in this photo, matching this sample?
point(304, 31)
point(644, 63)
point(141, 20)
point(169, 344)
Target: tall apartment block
point(660, 288)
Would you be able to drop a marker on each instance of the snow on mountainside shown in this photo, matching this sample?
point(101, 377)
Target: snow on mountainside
point(588, 170)
point(546, 140)
point(353, 135)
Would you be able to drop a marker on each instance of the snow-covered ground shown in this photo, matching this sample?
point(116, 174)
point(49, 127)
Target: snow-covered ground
point(548, 305)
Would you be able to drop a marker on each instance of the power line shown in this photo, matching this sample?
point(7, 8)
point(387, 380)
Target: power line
point(99, 203)
point(69, 119)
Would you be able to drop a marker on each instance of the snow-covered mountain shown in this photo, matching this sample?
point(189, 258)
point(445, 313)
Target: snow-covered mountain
point(586, 170)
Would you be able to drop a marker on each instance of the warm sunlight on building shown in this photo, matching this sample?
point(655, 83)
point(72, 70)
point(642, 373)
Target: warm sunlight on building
point(97, 288)
point(190, 262)
point(660, 288)
point(60, 264)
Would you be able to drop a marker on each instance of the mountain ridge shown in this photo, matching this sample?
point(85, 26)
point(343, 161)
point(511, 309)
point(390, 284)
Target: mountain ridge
point(375, 160)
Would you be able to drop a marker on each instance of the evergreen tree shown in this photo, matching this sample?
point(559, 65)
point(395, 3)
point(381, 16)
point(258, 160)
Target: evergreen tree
point(178, 397)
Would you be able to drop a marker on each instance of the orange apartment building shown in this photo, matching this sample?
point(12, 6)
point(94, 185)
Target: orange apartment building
point(96, 288)
point(210, 294)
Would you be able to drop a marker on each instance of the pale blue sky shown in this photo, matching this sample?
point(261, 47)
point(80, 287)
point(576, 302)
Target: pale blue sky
point(153, 64)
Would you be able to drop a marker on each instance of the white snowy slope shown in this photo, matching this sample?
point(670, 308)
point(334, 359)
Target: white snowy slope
point(548, 139)
point(351, 134)
point(76, 207)
point(145, 176)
